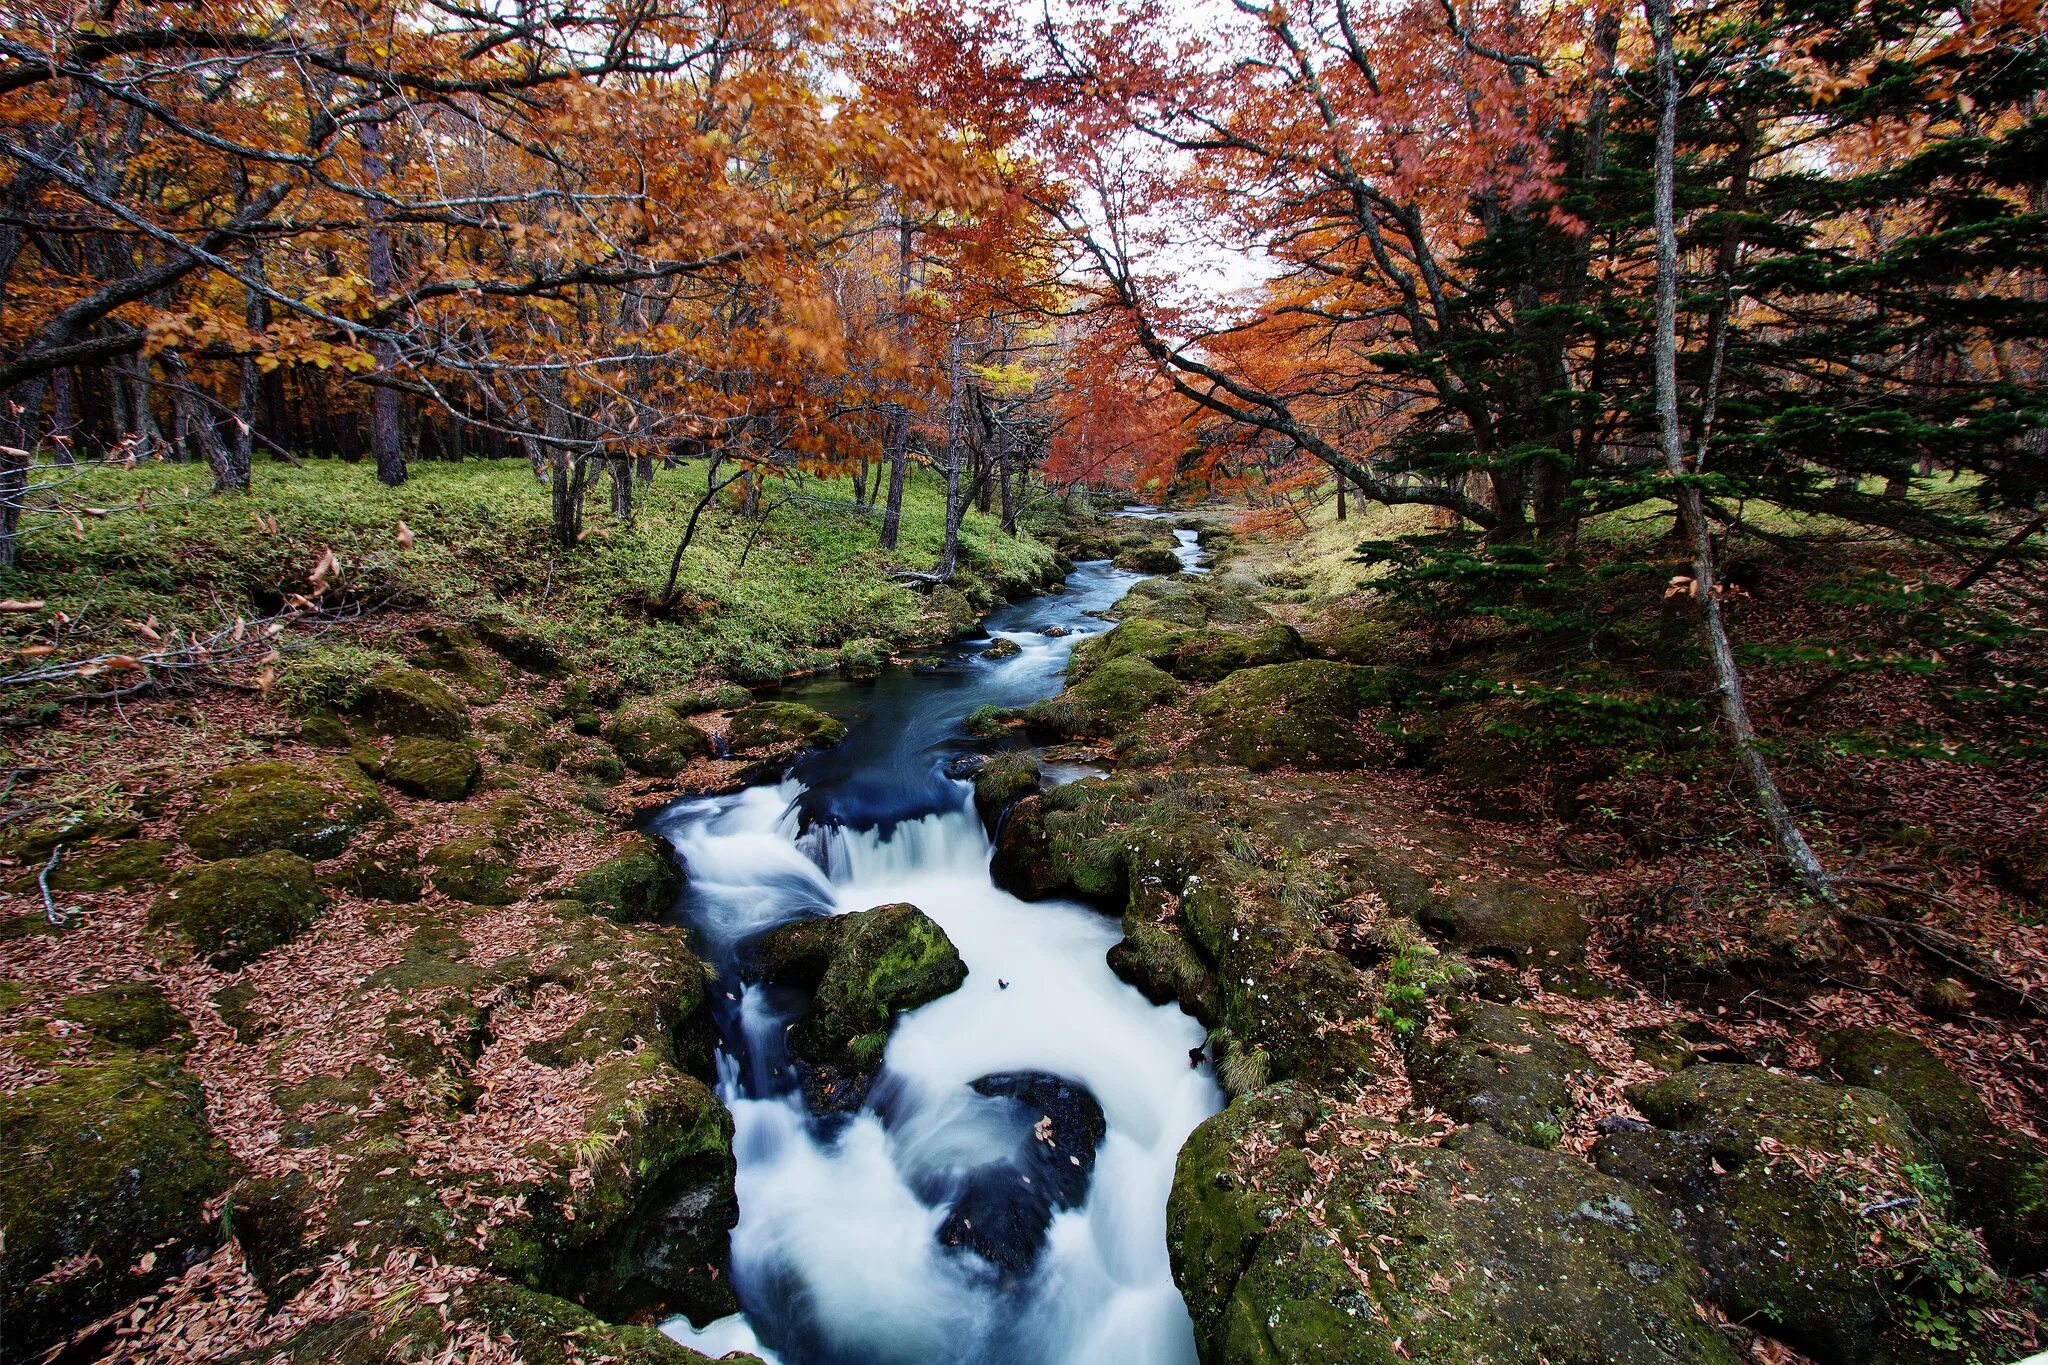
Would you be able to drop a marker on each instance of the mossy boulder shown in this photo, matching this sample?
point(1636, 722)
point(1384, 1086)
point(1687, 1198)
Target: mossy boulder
point(105, 1174)
point(1005, 779)
point(870, 967)
point(1521, 923)
point(1159, 961)
point(1298, 715)
point(236, 909)
point(1149, 559)
point(312, 809)
point(403, 700)
point(1476, 1252)
point(514, 640)
point(772, 724)
point(651, 739)
point(1143, 637)
point(100, 866)
point(455, 651)
point(1210, 655)
point(380, 870)
point(477, 867)
point(1778, 1184)
point(437, 769)
point(1107, 701)
point(1500, 1066)
point(1999, 1177)
point(132, 1015)
point(1022, 863)
point(638, 883)
point(863, 658)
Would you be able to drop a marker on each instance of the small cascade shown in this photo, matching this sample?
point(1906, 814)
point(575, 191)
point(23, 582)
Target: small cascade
point(1000, 1196)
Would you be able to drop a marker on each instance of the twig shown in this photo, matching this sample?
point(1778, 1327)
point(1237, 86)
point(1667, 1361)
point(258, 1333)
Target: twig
point(1904, 1201)
point(1954, 952)
point(50, 909)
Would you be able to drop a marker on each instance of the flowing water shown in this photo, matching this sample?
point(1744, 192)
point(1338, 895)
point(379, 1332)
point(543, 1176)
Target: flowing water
point(857, 1242)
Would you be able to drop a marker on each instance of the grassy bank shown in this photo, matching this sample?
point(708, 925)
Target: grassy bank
point(812, 580)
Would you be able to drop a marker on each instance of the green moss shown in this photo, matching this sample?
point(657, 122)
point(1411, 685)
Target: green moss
point(1142, 637)
point(1301, 715)
point(1110, 699)
point(437, 769)
point(653, 740)
point(100, 867)
point(477, 868)
point(314, 810)
point(108, 1161)
point(1002, 781)
point(1149, 559)
point(518, 642)
point(456, 651)
point(767, 724)
point(329, 677)
point(402, 700)
point(637, 884)
point(379, 871)
point(1503, 1067)
point(1161, 963)
point(130, 1015)
point(875, 965)
point(235, 910)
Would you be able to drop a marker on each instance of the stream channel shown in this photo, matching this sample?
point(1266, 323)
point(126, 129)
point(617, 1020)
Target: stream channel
point(856, 1242)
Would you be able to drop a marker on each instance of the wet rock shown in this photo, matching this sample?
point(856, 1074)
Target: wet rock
point(1003, 649)
point(770, 724)
point(1300, 715)
point(1003, 1208)
point(106, 1171)
point(1517, 922)
point(1003, 780)
point(1502, 1067)
point(235, 910)
point(651, 739)
point(1149, 559)
point(407, 701)
point(869, 967)
point(1022, 865)
point(1055, 632)
point(639, 883)
point(1160, 962)
point(312, 809)
point(1772, 1181)
point(2000, 1178)
point(437, 769)
point(1479, 1250)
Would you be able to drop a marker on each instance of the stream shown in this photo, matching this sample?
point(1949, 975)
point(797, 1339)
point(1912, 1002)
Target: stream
point(857, 1242)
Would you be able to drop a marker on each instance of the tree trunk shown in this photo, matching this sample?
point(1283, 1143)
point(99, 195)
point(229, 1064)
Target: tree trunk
point(1342, 479)
point(63, 414)
point(385, 440)
point(621, 470)
point(899, 414)
point(1003, 479)
point(956, 497)
point(1728, 679)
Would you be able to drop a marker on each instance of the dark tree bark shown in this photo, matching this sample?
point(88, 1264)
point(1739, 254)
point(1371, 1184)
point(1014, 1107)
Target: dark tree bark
point(385, 439)
point(898, 448)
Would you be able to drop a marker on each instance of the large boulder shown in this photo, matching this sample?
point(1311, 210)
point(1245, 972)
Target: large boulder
point(640, 882)
point(515, 641)
point(1149, 559)
point(1159, 961)
point(773, 724)
point(106, 1172)
point(2000, 1178)
point(478, 866)
point(311, 809)
point(864, 970)
point(1384, 1251)
point(653, 740)
point(1199, 654)
point(1814, 1209)
point(237, 909)
point(1500, 1066)
point(1002, 781)
point(1305, 714)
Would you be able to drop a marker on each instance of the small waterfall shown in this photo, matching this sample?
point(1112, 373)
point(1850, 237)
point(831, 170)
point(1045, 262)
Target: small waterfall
point(855, 1244)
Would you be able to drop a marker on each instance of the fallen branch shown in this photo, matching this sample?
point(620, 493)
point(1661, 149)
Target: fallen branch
point(50, 910)
point(1946, 948)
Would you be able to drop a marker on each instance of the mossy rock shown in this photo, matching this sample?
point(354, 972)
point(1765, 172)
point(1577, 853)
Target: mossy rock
point(32, 840)
point(1166, 969)
point(437, 769)
point(637, 884)
point(131, 1015)
point(381, 871)
point(1005, 779)
point(1148, 559)
point(1208, 656)
point(480, 867)
point(1502, 1067)
point(313, 809)
point(651, 739)
point(1765, 1176)
point(595, 761)
point(1143, 637)
point(1520, 923)
point(100, 1166)
point(548, 1330)
point(408, 701)
point(235, 910)
point(514, 640)
point(955, 611)
point(869, 967)
point(2000, 1178)
point(1298, 715)
point(770, 724)
point(1107, 701)
point(864, 658)
point(100, 867)
point(1476, 1252)
point(456, 651)
point(1022, 864)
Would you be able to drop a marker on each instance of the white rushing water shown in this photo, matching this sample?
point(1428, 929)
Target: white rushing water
point(837, 1256)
